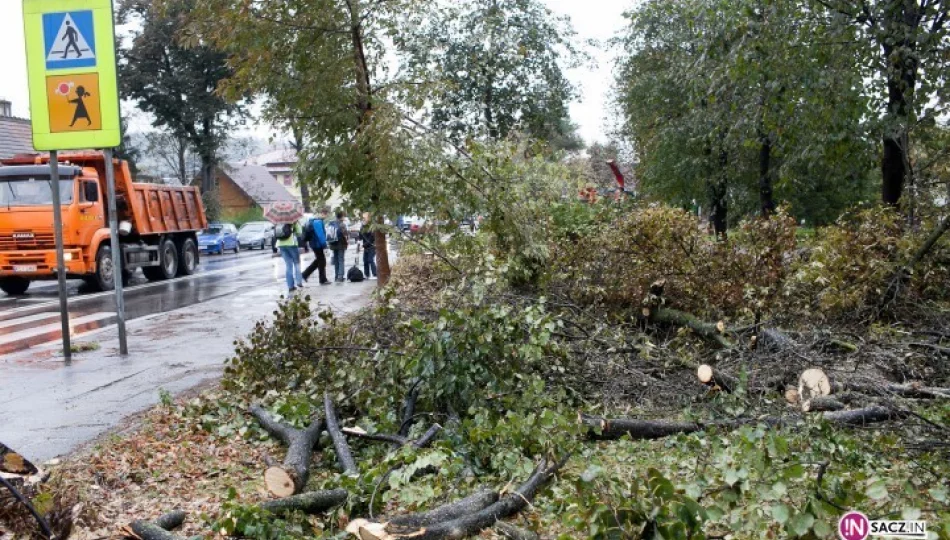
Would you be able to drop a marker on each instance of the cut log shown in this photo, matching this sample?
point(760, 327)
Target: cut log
point(813, 383)
point(867, 415)
point(312, 502)
point(817, 378)
point(610, 429)
point(409, 408)
point(710, 331)
point(469, 505)
point(343, 454)
point(792, 396)
point(158, 529)
point(147, 530)
point(822, 404)
point(172, 520)
point(713, 377)
point(292, 476)
point(472, 524)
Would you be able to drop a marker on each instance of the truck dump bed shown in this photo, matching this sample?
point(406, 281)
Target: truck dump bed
point(151, 208)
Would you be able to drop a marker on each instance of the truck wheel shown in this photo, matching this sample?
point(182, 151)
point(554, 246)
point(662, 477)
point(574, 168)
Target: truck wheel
point(14, 285)
point(187, 258)
point(104, 278)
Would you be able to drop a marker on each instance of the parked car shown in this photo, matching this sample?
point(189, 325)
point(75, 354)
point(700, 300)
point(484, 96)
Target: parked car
point(218, 238)
point(256, 234)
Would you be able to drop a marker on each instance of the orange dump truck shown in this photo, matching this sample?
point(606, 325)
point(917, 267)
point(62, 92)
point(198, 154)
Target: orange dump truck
point(158, 224)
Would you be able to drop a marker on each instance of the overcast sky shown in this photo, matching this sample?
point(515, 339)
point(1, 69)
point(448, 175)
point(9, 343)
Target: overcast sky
point(593, 19)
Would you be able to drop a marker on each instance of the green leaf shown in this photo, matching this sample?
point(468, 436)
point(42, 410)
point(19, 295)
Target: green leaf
point(801, 523)
point(877, 490)
point(780, 513)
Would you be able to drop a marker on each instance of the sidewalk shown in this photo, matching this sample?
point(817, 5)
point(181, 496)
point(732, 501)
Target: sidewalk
point(48, 408)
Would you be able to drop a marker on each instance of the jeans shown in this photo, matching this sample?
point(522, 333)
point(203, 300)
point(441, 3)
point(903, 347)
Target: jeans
point(291, 256)
point(339, 264)
point(320, 263)
point(369, 261)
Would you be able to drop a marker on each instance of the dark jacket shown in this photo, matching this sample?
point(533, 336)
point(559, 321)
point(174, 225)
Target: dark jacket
point(368, 237)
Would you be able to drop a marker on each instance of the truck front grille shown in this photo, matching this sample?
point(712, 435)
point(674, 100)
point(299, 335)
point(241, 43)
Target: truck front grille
point(17, 240)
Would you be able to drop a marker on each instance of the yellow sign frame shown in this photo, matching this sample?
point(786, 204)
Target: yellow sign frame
point(108, 133)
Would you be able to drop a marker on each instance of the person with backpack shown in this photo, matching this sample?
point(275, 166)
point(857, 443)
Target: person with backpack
point(337, 234)
point(316, 235)
point(368, 238)
point(286, 235)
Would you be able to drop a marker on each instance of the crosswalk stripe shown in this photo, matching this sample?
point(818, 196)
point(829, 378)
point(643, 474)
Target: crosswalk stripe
point(50, 332)
point(15, 325)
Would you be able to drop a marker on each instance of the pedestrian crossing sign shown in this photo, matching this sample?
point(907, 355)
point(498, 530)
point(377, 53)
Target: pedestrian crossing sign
point(71, 64)
point(70, 39)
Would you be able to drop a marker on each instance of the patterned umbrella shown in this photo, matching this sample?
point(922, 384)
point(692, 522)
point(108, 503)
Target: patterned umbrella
point(283, 212)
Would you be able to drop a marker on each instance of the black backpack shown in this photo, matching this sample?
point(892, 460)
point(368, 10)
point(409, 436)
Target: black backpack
point(355, 274)
point(308, 232)
point(284, 231)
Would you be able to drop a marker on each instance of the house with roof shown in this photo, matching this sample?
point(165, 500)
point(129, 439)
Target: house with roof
point(242, 186)
point(282, 164)
point(16, 136)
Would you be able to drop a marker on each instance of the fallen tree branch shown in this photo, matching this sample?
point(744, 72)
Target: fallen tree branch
point(159, 529)
point(291, 478)
point(343, 454)
point(822, 404)
point(817, 383)
point(713, 377)
point(311, 502)
point(396, 440)
point(447, 512)
point(469, 524)
point(409, 408)
point(902, 275)
point(44, 527)
point(612, 429)
point(709, 331)
point(604, 429)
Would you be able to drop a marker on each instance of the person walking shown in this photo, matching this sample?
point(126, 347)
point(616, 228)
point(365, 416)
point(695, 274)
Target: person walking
point(337, 234)
point(316, 235)
point(286, 234)
point(368, 238)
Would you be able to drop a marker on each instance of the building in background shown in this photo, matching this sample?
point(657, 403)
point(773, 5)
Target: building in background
point(282, 164)
point(244, 186)
point(16, 137)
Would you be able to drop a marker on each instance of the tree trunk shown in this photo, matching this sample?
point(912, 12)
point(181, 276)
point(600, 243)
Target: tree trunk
point(311, 502)
point(901, 83)
point(304, 188)
point(716, 190)
point(766, 202)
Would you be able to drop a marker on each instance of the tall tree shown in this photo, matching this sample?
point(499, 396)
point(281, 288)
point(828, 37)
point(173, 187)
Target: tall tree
point(498, 65)
point(743, 103)
point(910, 38)
point(177, 82)
point(320, 64)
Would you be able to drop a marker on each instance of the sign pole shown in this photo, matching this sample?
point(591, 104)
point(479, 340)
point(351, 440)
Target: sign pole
point(118, 262)
point(60, 263)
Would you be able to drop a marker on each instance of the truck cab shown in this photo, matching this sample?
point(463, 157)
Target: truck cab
point(158, 224)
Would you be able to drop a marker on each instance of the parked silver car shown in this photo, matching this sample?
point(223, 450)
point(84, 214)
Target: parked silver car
point(256, 234)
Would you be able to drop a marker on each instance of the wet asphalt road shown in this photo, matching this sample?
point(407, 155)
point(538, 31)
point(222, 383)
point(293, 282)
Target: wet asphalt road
point(33, 319)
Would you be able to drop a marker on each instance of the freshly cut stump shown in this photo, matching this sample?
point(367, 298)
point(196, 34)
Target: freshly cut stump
point(813, 383)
